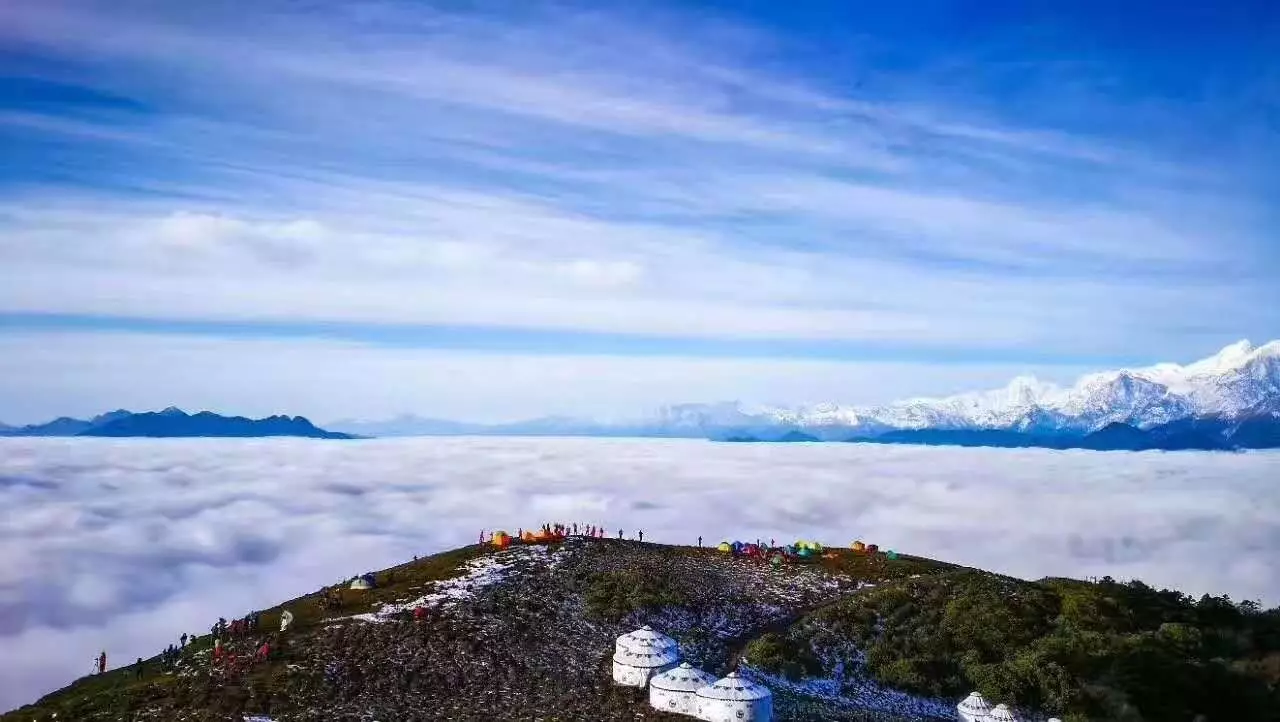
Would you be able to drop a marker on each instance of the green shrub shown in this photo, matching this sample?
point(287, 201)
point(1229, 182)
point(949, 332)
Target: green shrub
point(613, 595)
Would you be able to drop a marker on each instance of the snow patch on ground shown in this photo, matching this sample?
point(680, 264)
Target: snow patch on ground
point(858, 692)
point(477, 574)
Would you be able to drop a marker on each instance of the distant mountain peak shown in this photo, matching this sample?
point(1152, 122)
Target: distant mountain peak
point(172, 411)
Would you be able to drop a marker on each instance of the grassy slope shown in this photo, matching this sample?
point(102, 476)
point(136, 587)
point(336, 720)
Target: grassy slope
point(119, 692)
point(1082, 651)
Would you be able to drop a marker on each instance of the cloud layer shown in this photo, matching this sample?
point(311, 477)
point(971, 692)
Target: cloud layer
point(126, 544)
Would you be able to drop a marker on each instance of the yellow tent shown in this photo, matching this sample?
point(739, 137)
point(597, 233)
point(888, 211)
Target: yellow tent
point(501, 539)
point(725, 547)
point(858, 546)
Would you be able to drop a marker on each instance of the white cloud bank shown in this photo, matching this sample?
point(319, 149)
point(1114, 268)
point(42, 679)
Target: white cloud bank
point(124, 545)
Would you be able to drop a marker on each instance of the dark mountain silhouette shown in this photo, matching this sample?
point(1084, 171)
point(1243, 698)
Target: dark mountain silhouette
point(1202, 434)
point(792, 436)
point(61, 426)
point(176, 423)
point(968, 437)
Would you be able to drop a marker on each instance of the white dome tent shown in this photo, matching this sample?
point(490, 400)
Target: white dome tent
point(1001, 713)
point(644, 638)
point(676, 690)
point(974, 708)
point(634, 667)
point(735, 699)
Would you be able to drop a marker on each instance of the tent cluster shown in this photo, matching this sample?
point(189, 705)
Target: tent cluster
point(975, 708)
point(861, 547)
point(649, 658)
point(546, 534)
point(799, 551)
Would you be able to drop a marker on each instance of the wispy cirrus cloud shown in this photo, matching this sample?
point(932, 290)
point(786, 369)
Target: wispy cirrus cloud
point(666, 172)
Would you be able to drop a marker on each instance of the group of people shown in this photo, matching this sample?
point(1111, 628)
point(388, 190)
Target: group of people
point(561, 529)
point(236, 627)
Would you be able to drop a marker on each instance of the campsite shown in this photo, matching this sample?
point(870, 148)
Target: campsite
point(529, 625)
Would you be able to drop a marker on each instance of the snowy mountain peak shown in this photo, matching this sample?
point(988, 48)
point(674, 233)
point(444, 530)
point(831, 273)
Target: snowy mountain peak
point(1233, 382)
point(1230, 357)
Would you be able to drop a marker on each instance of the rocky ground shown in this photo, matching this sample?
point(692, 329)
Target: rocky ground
point(521, 634)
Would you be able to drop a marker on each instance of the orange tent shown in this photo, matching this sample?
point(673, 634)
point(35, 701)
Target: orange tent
point(858, 546)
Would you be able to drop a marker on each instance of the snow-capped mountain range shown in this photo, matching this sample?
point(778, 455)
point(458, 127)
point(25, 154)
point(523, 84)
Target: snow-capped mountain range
point(1240, 381)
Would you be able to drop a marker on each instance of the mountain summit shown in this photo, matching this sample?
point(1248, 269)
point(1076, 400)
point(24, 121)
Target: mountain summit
point(532, 630)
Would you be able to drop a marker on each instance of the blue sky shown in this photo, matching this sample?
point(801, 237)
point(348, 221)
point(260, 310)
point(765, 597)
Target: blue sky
point(614, 205)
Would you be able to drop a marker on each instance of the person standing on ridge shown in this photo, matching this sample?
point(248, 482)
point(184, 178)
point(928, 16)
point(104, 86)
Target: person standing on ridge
point(699, 542)
point(640, 534)
point(138, 668)
point(619, 533)
point(102, 662)
point(575, 528)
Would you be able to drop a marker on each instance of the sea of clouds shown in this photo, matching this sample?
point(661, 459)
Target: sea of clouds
point(124, 544)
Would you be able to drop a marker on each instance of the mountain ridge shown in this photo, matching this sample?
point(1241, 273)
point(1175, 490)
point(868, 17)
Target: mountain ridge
point(173, 422)
point(1241, 382)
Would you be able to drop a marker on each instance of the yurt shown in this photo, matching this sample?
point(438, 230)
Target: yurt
point(644, 639)
point(286, 618)
point(1001, 713)
point(364, 582)
point(735, 699)
point(634, 667)
point(858, 546)
point(974, 708)
point(725, 547)
point(676, 690)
